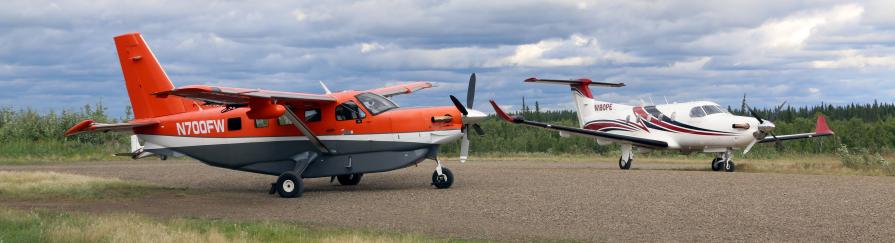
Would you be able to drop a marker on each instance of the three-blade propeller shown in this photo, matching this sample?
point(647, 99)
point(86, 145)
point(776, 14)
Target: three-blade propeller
point(765, 127)
point(471, 118)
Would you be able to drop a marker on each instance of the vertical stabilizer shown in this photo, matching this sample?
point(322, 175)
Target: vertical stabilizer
point(143, 76)
point(585, 104)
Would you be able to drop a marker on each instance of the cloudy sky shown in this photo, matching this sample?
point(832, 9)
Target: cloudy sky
point(60, 55)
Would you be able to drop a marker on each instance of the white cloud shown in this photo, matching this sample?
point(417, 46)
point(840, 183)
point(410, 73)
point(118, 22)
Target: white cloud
point(787, 33)
point(853, 59)
point(692, 65)
point(577, 50)
point(369, 47)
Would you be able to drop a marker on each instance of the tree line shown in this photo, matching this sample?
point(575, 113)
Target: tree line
point(870, 127)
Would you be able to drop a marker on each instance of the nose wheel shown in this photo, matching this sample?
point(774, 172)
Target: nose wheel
point(724, 162)
point(442, 177)
point(625, 164)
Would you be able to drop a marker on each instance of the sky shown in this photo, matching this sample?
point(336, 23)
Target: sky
point(57, 55)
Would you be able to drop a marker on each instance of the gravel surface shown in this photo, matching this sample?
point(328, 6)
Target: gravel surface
point(526, 201)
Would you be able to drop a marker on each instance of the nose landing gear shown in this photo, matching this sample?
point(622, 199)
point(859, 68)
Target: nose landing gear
point(442, 177)
point(724, 162)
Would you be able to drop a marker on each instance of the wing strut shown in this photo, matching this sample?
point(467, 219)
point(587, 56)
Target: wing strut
point(305, 130)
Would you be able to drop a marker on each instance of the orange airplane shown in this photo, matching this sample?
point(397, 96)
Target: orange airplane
point(292, 135)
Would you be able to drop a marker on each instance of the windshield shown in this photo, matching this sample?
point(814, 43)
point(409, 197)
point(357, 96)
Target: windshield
point(376, 103)
point(713, 109)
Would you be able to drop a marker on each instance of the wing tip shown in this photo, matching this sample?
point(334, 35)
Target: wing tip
point(78, 128)
point(821, 127)
point(500, 113)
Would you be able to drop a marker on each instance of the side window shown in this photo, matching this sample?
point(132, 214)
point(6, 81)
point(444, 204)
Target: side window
point(283, 121)
point(697, 112)
point(312, 115)
point(234, 124)
point(261, 123)
point(349, 111)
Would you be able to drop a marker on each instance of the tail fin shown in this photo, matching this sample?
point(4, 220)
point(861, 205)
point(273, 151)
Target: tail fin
point(580, 93)
point(143, 76)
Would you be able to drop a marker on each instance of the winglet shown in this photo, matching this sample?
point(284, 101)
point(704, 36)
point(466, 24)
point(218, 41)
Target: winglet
point(82, 126)
point(821, 126)
point(503, 115)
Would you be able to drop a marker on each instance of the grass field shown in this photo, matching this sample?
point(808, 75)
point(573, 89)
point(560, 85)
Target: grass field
point(50, 226)
point(54, 226)
point(33, 185)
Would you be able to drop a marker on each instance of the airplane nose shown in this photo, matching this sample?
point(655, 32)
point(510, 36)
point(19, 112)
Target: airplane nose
point(767, 126)
point(474, 117)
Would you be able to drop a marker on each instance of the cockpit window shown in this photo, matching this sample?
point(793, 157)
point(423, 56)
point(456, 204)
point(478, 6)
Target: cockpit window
point(376, 103)
point(713, 109)
point(349, 111)
point(697, 112)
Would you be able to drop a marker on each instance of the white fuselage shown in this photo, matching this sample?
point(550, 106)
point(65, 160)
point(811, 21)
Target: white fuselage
point(699, 126)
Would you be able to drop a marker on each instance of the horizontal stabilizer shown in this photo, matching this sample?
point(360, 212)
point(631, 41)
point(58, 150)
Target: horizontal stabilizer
point(583, 81)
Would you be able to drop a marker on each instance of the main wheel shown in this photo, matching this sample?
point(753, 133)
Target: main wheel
point(622, 164)
point(350, 179)
point(443, 181)
point(729, 166)
point(716, 164)
point(290, 185)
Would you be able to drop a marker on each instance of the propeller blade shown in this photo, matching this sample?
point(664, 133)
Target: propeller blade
point(754, 114)
point(777, 111)
point(478, 129)
point(470, 91)
point(464, 148)
point(750, 146)
point(777, 144)
point(459, 105)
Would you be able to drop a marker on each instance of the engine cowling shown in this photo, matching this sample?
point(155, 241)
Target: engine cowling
point(264, 109)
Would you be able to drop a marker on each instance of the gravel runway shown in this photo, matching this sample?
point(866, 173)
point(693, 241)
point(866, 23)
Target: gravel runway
point(526, 200)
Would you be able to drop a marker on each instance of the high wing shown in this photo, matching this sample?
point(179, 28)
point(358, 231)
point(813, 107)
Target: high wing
point(820, 129)
point(585, 132)
point(239, 96)
point(90, 126)
point(401, 89)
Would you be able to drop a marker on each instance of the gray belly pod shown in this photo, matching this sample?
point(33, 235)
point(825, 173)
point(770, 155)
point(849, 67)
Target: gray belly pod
point(276, 157)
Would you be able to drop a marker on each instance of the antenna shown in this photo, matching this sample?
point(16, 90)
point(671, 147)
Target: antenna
point(666, 99)
point(651, 100)
point(325, 89)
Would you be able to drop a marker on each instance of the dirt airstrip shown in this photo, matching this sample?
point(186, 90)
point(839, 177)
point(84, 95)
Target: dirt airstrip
point(524, 201)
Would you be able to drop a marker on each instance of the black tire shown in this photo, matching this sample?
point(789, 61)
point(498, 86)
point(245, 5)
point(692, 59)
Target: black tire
point(623, 165)
point(350, 179)
point(716, 164)
point(290, 185)
point(729, 166)
point(443, 182)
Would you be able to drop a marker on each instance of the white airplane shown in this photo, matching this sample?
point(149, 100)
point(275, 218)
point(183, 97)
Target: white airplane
point(700, 126)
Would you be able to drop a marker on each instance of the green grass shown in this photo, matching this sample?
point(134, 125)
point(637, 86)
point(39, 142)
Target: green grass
point(52, 185)
point(51, 151)
point(51, 226)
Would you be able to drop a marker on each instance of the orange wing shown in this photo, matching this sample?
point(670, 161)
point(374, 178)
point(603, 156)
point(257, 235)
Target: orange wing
point(90, 126)
point(401, 89)
point(239, 96)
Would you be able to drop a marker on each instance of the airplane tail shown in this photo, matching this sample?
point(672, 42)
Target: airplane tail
point(585, 102)
point(143, 77)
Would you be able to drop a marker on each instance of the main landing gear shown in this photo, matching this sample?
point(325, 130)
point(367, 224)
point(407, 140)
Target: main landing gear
point(288, 185)
point(442, 177)
point(627, 157)
point(723, 161)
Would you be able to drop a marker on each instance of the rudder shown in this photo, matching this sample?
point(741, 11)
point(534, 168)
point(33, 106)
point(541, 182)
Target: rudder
point(143, 77)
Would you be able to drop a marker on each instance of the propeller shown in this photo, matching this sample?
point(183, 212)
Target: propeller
point(471, 118)
point(764, 130)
